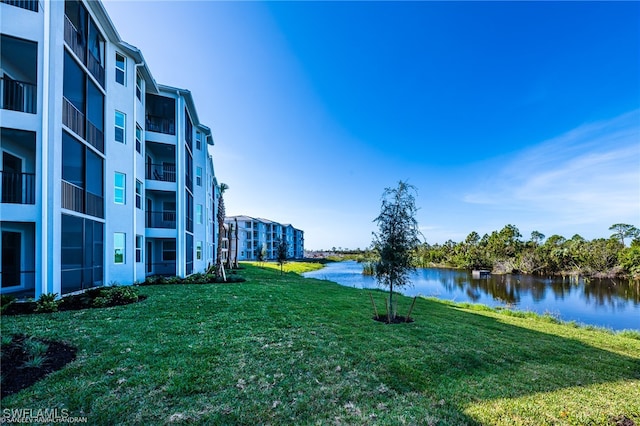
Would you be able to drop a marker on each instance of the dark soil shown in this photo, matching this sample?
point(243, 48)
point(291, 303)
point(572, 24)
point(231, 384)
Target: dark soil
point(399, 319)
point(15, 376)
point(622, 421)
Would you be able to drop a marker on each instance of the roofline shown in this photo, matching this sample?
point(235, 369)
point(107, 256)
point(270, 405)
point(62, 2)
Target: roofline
point(101, 13)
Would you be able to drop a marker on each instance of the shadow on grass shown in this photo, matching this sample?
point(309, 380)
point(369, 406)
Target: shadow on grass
point(455, 355)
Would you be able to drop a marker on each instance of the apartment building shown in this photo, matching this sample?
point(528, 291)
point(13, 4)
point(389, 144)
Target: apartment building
point(106, 175)
point(256, 236)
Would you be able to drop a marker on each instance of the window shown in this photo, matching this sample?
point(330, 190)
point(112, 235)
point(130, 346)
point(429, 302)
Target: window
point(199, 176)
point(138, 139)
point(138, 194)
point(168, 250)
point(199, 214)
point(198, 140)
point(139, 87)
point(119, 185)
point(121, 120)
point(139, 245)
point(118, 247)
point(120, 68)
point(199, 250)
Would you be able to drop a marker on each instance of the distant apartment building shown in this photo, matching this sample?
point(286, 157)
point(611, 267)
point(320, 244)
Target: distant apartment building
point(106, 175)
point(257, 236)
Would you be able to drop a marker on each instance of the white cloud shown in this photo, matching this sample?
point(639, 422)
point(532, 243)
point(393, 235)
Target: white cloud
point(590, 175)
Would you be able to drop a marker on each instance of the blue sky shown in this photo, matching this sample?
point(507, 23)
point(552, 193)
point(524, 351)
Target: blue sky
point(524, 113)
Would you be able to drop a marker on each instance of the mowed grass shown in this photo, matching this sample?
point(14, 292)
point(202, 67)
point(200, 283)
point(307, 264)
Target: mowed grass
point(295, 267)
point(281, 349)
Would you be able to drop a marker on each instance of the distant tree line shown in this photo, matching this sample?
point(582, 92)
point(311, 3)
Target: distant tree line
point(505, 251)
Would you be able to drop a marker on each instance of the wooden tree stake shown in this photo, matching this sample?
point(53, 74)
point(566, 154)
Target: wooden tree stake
point(411, 309)
point(375, 310)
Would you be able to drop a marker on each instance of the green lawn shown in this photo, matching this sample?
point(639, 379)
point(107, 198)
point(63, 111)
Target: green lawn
point(288, 350)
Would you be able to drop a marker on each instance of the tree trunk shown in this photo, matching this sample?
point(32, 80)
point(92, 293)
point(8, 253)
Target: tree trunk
point(392, 313)
point(235, 258)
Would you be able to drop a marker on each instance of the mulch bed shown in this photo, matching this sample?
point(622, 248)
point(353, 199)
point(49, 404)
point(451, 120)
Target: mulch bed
point(15, 376)
point(69, 303)
point(399, 319)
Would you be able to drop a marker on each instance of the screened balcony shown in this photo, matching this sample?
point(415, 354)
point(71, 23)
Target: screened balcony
point(18, 89)
point(84, 39)
point(161, 114)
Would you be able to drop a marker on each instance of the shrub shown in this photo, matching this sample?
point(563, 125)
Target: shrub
point(115, 296)
point(34, 362)
point(7, 340)
point(198, 278)
point(5, 301)
point(47, 303)
point(35, 347)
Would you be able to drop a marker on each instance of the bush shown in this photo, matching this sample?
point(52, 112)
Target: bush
point(5, 301)
point(47, 303)
point(115, 296)
point(198, 278)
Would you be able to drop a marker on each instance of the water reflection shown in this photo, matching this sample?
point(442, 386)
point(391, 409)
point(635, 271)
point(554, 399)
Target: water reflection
point(608, 303)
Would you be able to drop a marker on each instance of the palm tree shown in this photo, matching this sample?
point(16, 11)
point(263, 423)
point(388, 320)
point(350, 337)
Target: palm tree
point(221, 215)
point(235, 258)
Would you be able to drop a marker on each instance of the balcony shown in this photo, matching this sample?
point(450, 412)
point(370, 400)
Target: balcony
point(165, 172)
point(161, 219)
point(72, 197)
point(18, 188)
point(18, 95)
point(31, 5)
point(96, 69)
point(77, 199)
point(160, 124)
point(74, 39)
point(95, 205)
point(94, 136)
point(19, 74)
point(73, 118)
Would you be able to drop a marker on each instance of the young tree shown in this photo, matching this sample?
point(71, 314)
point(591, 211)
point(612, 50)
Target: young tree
point(397, 237)
point(262, 254)
point(282, 249)
point(220, 216)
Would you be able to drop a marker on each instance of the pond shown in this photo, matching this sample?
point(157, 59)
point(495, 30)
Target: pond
point(613, 304)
